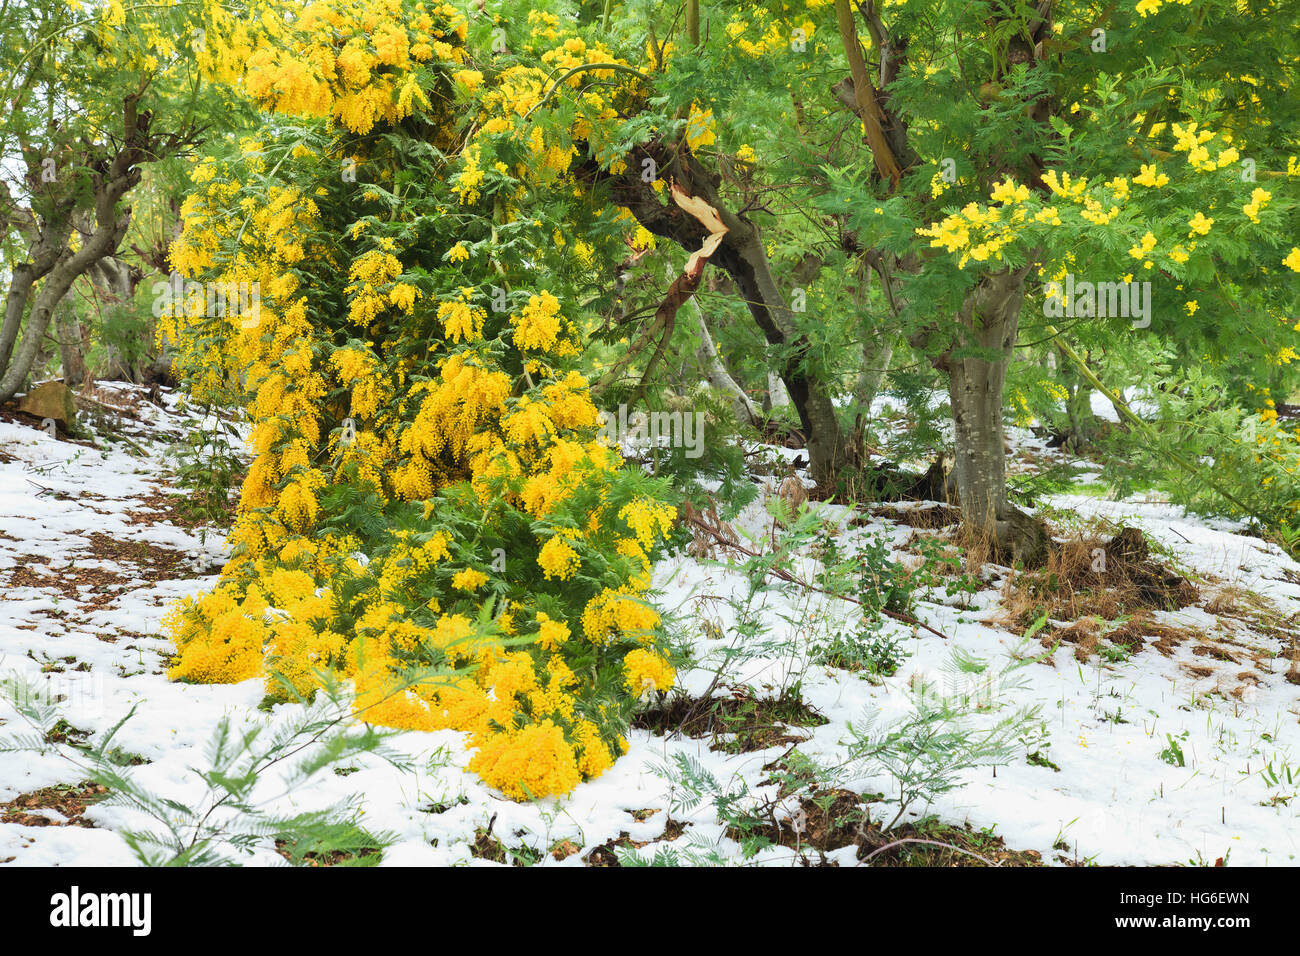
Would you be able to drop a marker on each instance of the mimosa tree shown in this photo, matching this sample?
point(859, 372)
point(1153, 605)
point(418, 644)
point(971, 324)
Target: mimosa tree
point(428, 495)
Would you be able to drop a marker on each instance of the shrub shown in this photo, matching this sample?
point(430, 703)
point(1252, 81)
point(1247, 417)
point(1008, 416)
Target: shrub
point(427, 488)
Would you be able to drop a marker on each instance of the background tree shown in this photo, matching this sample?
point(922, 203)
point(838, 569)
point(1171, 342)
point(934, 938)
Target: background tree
point(967, 153)
point(94, 94)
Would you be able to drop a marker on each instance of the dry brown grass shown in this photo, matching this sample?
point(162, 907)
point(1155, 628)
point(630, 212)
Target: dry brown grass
point(979, 547)
point(1257, 613)
point(1140, 630)
point(926, 516)
point(1089, 581)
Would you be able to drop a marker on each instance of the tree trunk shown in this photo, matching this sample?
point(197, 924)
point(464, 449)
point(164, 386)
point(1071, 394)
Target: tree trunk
point(113, 280)
point(778, 396)
point(717, 375)
point(742, 256)
point(875, 366)
point(160, 370)
point(53, 259)
point(110, 228)
point(72, 355)
point(1081, 423)
point(977, 369)
point(829, 450)
point(48, 250)
point(24, 358)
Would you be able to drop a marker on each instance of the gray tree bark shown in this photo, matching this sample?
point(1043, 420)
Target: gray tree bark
point(46, 252)
point(778, 396)
point(743, 256)
point(114, 282)
point(1081, 423)
point(53, 262)
point(108, 234)
point(977, 367)
point(716, 373)
point(72, 353)
point(875, 366)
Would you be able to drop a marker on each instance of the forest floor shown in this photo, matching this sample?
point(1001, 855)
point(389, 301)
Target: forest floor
point(1158, 702)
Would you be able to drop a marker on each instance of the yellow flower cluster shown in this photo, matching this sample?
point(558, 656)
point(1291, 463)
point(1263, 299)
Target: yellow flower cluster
point(426, 477)
point(1258, 200)
point(1149, 7)
point(994, 226)
point(618, 613)
point(357, 64)
point(981, 231)
point(648, 519)
point(558, 559)
point(1192, 141)
point(535, 762)
point(646, 671)
point(538, 326)
point(699, 128)
point(460, 320)
point(774, 35)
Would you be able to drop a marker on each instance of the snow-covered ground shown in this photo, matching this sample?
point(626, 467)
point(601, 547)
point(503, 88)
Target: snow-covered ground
point(89, 564)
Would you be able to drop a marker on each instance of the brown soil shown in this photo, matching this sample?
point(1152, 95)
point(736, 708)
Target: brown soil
point(736, 724)
point(67, 799)
point(94, 588)
point(606, 855)
point(838, 818)
point(164, 506)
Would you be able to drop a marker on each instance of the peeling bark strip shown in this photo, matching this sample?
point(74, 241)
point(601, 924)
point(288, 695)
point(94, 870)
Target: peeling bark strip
point(686, 284)
point(705, 213)
point(742, 256)
point(679, 293)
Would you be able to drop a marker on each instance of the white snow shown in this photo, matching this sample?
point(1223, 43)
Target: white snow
point(1104, 724)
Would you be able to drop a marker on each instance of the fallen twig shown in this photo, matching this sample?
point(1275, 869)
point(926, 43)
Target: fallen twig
point(890, 846)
